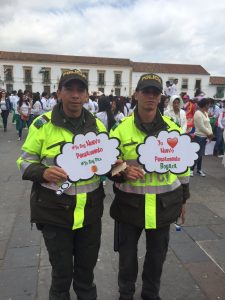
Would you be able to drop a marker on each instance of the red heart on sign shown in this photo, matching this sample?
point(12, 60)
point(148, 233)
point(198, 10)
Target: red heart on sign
point(172, 142)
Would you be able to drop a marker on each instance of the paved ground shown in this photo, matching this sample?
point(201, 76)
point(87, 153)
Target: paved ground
point(195, 265)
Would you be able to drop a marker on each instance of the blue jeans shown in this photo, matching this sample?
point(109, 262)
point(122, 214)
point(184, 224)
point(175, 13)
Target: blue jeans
point(218, 149)
point(21, 125)
point(202, 143)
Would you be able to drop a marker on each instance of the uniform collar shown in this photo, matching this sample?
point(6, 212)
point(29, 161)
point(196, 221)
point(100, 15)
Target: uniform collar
point(87, 122)
point(152, 128)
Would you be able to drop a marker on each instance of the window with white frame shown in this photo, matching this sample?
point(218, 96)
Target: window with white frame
point(184, 83)
point(101, 78)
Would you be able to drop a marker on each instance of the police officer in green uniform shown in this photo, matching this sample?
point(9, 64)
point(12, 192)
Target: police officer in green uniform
point(145, 201)
point(70, 223)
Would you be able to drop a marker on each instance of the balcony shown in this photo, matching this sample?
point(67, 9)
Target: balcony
point(28, 80)
point(8, 78)
point(101, 82)
point(117, 83)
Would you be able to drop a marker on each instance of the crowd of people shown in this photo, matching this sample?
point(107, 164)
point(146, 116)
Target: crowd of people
point(202, 124)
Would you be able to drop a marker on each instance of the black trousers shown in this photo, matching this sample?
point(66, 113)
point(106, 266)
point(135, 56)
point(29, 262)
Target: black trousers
point(5, 114)
point(73, 255)
point(156, 248)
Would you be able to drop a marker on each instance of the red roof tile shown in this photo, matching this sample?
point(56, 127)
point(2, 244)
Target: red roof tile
point(216, 80)
point(21, 56)
point(168, 68)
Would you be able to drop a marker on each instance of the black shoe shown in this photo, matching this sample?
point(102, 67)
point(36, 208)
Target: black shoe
point(5, 129)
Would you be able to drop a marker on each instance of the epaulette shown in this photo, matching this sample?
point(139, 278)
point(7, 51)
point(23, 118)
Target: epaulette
point(41, 121)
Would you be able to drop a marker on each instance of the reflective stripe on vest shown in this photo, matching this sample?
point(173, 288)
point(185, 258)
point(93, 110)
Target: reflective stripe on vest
point(184, 179)
point(79, 211)
point(154, 189)
point(150, 211)
point(74, 189)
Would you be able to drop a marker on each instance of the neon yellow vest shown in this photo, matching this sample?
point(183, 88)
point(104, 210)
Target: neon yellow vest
point(42, 145)
point(130, 137)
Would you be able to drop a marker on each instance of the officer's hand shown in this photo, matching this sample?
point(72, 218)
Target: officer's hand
point(183, 212)
point(55, 174)
point(133, 173)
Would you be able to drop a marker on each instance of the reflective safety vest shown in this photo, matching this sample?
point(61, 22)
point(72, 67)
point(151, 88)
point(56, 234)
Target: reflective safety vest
point(42, 145)
point(153, 183)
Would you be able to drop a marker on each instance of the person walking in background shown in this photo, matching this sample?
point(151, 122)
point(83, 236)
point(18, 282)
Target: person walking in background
point(117, 108)
point(163, 104)
point(53, 100)
point(221, 128)
point(190, 107)
point(168, 89)
point(24, 110)
point(203, 131)
point(175, 112)
point(174, 90)
point(14, 99)
point(105, 113)
point(5, 107)
point(37, 108)
point(45, 102)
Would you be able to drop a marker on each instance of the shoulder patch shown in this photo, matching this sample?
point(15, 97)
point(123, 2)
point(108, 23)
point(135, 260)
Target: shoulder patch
point(41, 121)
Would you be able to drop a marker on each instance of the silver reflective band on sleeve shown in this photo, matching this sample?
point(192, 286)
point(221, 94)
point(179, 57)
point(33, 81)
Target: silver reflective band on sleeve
point(29, 156)
point(23, 166)
point(142, 190)
point(48, 161)
point(184, 179)
point(74, 189)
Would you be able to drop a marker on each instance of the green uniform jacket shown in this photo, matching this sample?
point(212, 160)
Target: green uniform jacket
point(157, 200)
point(80, 205)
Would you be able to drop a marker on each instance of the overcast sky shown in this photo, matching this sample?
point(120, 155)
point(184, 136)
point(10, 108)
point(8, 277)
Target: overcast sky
point(159, 31)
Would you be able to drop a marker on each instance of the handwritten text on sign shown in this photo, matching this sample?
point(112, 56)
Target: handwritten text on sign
point(88, 155)
point(170, 151)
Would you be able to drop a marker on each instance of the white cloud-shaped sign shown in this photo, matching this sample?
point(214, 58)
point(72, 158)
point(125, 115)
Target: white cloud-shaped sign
point(88, 155)
point(170, 151)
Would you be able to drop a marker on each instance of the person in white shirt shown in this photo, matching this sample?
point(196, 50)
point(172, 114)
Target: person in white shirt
point(203, 131)
point(24, 110)
point(14, 99)
point(175, 112)
point(168, 89)
point(37, 107)
point(5, 107)
point(221, 129)
point(174, 87)
point(117, 108)
point(89, 105)
point(53, 100)
point(104, 112)
point(45, 102)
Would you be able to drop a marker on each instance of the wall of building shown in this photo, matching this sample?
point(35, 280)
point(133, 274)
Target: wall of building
point(191, 82)
point(129, 79)
point(56, 70)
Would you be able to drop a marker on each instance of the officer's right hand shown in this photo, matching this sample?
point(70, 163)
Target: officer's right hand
point(55, 174)
point(133, 173)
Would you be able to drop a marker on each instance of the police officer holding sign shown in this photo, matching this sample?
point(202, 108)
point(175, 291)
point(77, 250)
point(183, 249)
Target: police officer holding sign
point(71, 222)
point(145, 201)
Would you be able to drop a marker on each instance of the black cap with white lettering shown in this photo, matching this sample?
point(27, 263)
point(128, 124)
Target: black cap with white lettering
point(150, 80)
point(72, 75)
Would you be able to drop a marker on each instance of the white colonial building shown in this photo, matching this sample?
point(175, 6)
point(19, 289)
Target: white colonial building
point(41, 72)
